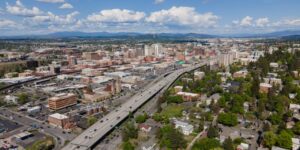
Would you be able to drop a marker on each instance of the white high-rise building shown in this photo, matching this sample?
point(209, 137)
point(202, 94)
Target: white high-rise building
point(154, 50)
point(226, 59)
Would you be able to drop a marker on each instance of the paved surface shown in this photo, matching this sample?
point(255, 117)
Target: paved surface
point(47, 129)
point(8, 125)
point(92, 135)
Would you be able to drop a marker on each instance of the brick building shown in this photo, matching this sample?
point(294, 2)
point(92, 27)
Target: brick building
point(62, 100)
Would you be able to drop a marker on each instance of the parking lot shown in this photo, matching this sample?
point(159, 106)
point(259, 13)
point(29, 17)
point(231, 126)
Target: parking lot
point(7, 125)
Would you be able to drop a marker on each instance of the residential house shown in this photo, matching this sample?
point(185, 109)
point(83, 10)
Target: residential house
point(243, 146)
point(145, 128)
point(178, 89)
point(296, 143)
point(186, 96)
point(264, 87)
point(185, 128)
point(198, 75)
point(240, 74)
point(10, 99)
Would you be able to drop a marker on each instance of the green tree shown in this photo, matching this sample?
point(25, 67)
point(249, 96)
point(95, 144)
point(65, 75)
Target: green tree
point(174, 99)
point(228, 119)
point(296, 128)
point(141, 118)
point(171, 138)
point(228, 144)
point(212, 132)
point(237, 104)
point(238, 141)
point(157, 117)
point(91, 120)
point(206, 144)
point(127, 146)
point(255, 86)
point(275, 119)
point(129, 131)
point(222, 102)
point(201, 126)
point(23, 98)
point(284, 140)
point(269, 139)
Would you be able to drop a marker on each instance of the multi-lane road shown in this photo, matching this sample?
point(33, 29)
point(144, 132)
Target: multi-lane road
point(87, 139)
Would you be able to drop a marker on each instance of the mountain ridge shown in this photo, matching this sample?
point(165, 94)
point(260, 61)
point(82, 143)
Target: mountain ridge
point(79, 34)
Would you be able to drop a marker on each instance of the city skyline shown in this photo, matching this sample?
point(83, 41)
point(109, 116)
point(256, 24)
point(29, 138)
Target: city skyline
point(28, 17)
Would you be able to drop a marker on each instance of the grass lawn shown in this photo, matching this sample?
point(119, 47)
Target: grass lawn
point(172, 110)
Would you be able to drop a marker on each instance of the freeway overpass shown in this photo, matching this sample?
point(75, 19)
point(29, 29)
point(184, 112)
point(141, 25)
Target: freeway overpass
point(88, 139)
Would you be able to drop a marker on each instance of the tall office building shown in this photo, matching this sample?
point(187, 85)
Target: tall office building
point(226, 59)
point(156, 50)
point(72, 60)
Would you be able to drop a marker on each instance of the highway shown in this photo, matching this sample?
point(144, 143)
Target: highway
point(87, 139)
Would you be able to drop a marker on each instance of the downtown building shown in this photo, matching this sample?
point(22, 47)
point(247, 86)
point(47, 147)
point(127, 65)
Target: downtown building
point(155, 50)
point(62, 100)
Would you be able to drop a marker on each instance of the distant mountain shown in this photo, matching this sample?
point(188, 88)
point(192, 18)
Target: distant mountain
point(277, 34)
point(91, 34)
point(129, 34)
point(291, 37)
point(119, 35)
point(134, 35)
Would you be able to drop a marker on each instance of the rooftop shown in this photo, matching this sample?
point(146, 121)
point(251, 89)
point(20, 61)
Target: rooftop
point(59, 116)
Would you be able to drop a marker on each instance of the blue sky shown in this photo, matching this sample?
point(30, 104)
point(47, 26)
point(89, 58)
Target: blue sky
point(19, 17)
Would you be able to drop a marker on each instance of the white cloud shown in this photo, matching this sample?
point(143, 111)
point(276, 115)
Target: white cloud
point(236, 22)
point(116, 16)
point(51, 18)
point(159, 1)
point(52, 1)
point(4, 23)
point(247, 21)
point(1, 11)
point(20, 10)
point(262, 22)
point(295, 22)
point(66, 6)
point(183, 16)
point(292, 22)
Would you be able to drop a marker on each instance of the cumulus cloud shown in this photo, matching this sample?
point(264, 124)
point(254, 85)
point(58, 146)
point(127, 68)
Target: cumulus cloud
point(187, 16)
point(51, 18)
point(66, 6)
point(247, 21)
point(159, 1)
point(4, 23)
point(51, 1)
point(116, 16)
point(20, 10)
point(251, 22)
point(262, 22)
point(292, 22)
